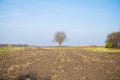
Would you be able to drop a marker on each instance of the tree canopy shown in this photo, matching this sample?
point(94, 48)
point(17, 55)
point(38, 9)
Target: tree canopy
point(60, 37)
point(114, 39)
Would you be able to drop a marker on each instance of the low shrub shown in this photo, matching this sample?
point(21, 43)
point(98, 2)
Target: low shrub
point(108, 45)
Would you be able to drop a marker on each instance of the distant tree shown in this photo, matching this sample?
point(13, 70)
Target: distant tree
point(113, 39)
point(60, 37)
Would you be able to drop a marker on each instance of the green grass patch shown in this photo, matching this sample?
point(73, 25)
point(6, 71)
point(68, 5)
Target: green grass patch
point(10, 50)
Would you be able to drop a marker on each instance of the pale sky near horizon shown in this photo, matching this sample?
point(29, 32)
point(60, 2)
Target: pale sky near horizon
point(34, 22)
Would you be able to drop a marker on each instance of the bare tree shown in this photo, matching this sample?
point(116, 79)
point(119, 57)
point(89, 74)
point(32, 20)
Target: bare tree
point(60, 37)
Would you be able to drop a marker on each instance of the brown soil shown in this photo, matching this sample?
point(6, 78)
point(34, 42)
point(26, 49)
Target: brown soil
point(56, 64)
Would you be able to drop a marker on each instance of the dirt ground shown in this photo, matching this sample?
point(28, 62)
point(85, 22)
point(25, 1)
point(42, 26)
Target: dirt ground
point(59, 64)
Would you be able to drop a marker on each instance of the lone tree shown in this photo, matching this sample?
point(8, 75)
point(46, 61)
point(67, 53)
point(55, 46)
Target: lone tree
point(113, 40)
point(60, 37)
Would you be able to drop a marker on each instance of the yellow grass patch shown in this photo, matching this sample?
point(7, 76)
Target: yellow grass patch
point(101, 49)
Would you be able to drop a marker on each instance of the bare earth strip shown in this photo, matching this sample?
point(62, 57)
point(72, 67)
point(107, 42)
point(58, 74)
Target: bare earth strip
point(59, 64)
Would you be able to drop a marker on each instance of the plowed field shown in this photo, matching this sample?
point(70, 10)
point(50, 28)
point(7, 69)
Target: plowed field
point(59, 64)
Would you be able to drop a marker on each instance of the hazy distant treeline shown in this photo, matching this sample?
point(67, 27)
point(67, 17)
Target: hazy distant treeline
point(14, 45)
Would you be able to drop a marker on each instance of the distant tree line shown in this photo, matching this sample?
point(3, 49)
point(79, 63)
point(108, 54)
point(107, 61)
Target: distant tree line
point(14, 45)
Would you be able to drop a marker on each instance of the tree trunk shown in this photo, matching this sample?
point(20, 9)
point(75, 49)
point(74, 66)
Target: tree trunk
point(59, 44)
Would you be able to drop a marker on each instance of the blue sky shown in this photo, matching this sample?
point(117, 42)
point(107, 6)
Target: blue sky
point(34, 22)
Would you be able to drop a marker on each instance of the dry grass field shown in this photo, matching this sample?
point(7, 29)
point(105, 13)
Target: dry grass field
point(79, 63)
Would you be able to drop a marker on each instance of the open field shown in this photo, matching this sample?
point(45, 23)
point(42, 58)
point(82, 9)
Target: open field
point(80, 63)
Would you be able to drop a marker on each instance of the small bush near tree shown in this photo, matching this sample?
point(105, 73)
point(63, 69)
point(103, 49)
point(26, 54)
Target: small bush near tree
point(108, 45)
